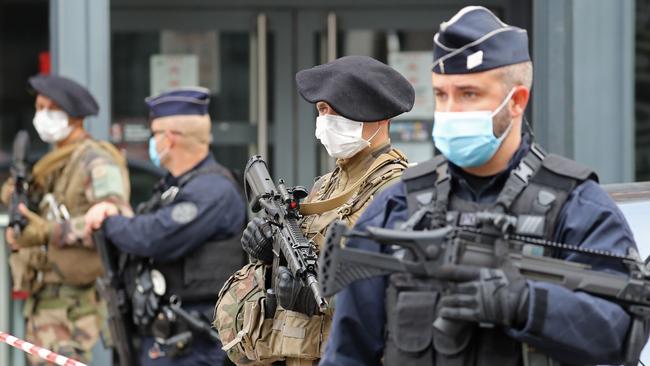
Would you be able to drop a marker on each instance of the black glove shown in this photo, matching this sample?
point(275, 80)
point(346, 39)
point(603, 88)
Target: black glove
point(257, 240)
point(292, 295)
point(494, 298)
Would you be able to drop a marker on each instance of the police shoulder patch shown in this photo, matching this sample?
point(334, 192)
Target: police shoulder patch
point(184, 212)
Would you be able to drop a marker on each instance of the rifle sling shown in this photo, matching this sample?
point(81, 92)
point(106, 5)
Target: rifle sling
point(320, 207)
point(51, 162)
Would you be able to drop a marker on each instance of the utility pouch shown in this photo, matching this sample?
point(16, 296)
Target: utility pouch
point(145, 299)
point(410, 315)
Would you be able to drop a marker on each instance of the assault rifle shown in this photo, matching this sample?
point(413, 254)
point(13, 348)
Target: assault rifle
point(19, 173)
point(280, 206)
point(112, 289)
point(454, 253)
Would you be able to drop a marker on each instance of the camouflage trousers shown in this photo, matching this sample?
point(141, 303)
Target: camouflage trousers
point(68, 323)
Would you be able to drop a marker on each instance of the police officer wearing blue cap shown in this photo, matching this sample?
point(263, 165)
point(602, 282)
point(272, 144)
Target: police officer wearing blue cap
point(482, 75)
point(186, 236)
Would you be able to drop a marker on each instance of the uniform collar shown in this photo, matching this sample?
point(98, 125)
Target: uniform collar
point(79, 138)
point(170, 180)
point(486, 189)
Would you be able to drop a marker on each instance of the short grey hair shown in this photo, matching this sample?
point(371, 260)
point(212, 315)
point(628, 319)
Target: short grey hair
point(517, 74)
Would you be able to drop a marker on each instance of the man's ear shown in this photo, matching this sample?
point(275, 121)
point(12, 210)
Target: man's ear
point(387, 124)
point(171, 137)
point(519, 99)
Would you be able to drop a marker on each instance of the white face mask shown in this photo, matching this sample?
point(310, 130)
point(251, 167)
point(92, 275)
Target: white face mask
point(341, 136)
point(52, 126)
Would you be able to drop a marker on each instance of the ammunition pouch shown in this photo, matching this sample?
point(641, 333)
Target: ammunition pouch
point(27, 266)
point(412, 338)
point(253, 337)
point(241, 316)
point(74, 266)
point(78, 301)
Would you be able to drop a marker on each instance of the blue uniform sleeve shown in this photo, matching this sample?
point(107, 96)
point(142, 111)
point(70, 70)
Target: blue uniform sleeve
point(357, 333)
point(208, 208)
point(575, 327)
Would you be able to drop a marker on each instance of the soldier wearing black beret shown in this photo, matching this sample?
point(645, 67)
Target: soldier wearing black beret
point(355, 98)
point(63, 312)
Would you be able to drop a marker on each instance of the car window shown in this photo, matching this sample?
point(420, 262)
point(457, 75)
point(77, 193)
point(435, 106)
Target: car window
point(143, 176)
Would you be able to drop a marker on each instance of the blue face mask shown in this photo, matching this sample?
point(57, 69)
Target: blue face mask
point(153, 153)
point(467, 138)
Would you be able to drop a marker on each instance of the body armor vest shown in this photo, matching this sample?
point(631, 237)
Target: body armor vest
point(535, 192)
point(199, 275)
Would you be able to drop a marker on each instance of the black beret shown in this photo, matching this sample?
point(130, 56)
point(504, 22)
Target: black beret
point(73, 98)
point(182, 101)
point(357, 87)
point(476, 40)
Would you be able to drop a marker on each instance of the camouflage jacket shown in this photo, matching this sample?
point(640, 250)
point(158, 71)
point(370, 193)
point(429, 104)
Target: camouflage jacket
point(66, 183)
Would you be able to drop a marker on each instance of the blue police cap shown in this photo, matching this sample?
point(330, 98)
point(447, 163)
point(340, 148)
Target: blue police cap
point(182, 101)
point(73, 98)
point(357, 87)
point(476, 40)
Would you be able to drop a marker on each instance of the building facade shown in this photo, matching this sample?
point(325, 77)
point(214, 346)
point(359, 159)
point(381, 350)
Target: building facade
point(247, 52)
point(591, 94)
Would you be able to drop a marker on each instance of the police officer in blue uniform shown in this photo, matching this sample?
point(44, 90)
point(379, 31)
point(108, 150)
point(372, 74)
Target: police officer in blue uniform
point(482, 75)
point(183, 242)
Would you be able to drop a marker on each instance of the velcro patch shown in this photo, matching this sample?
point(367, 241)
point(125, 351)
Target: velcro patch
point(107, 181)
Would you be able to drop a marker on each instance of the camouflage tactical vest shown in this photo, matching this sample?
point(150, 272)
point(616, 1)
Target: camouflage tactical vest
point(65, 173)
point(251, 337)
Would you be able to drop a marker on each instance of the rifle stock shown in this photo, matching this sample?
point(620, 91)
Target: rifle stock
point(111, 288)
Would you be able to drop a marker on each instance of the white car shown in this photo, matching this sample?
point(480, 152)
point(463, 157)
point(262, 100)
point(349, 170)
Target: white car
point(634, 200)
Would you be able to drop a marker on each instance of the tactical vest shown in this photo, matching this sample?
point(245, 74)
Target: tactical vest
point(59, 173)
point(325, 207)
point(535, 192)
point(250, 336)
point(200, 274)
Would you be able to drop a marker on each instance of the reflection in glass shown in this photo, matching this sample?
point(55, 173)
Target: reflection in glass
point(147, 62)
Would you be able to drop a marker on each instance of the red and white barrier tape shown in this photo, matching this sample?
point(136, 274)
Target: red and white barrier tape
point(38, 351)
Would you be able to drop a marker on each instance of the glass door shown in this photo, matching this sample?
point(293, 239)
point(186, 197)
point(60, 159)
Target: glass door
point(248, 57)
point(238, 55)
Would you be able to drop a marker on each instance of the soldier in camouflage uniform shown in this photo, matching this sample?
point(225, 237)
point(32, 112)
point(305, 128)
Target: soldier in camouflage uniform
point(54, 261)
point(295, 332)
